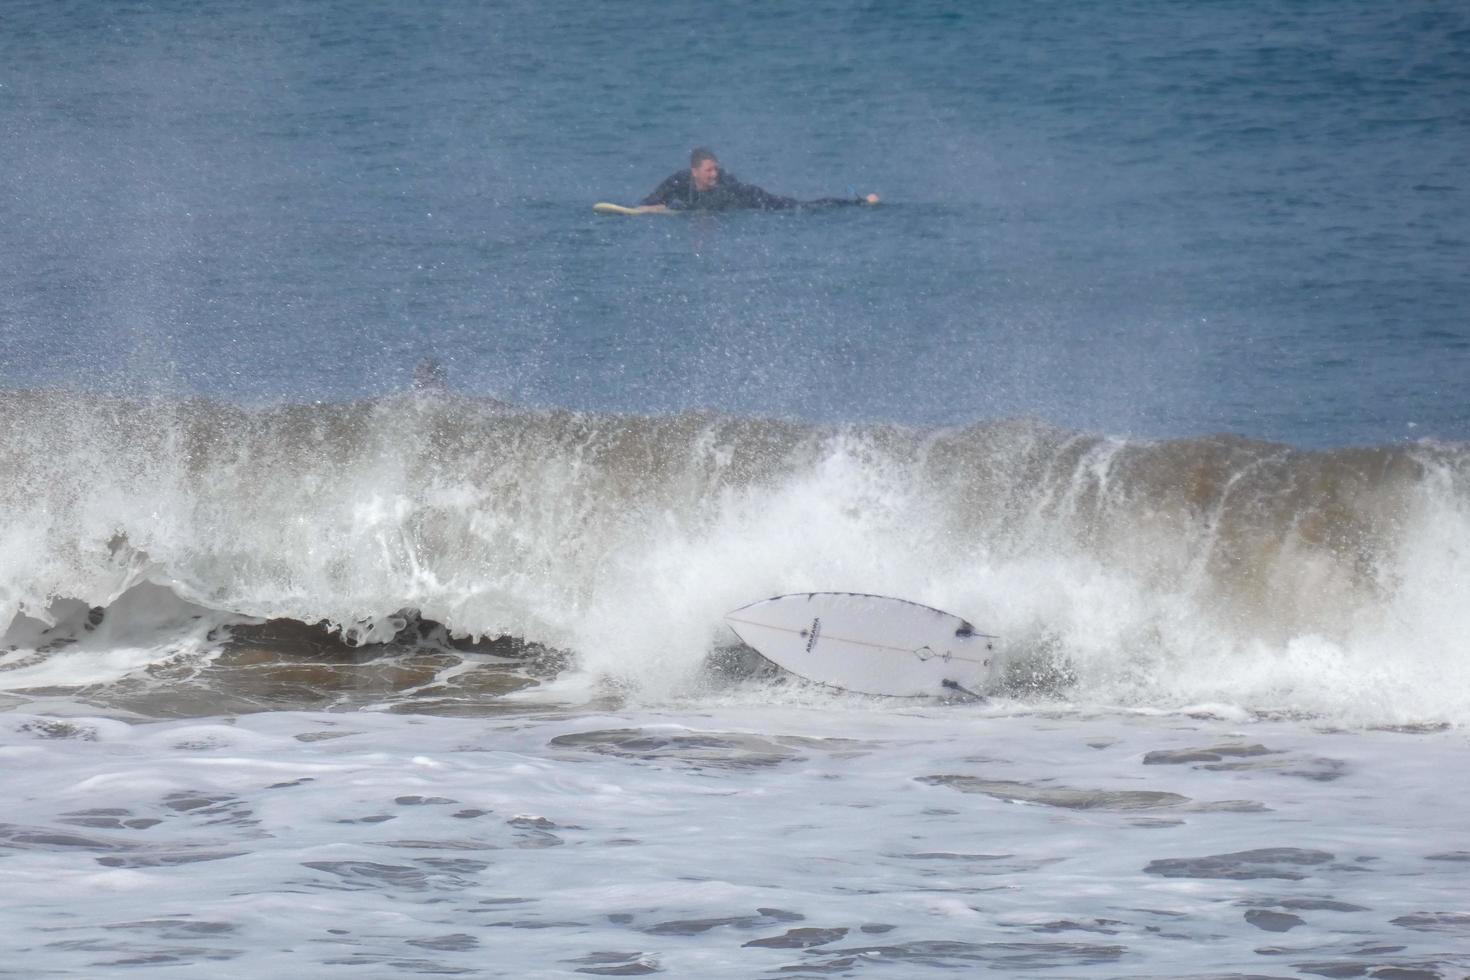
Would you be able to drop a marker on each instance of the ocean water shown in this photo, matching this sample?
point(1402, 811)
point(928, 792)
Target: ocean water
point(369, 507)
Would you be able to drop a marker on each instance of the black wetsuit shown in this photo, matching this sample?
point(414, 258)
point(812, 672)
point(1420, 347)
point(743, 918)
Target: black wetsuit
point(679, 194)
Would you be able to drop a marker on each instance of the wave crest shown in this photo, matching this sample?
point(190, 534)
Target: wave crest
point(1209, 569)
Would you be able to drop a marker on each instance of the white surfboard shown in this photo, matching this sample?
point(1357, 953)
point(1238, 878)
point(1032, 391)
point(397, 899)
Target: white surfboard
point(867, 643)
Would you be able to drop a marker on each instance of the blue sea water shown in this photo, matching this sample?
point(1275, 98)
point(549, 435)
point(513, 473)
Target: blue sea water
point(1153, 362)
point(1140, 218)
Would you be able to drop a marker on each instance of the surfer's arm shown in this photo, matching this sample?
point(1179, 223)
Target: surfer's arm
point(825, 202)
point(756, 197)
point(751, 196)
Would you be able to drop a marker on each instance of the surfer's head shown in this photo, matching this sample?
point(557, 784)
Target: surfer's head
point(704, 169)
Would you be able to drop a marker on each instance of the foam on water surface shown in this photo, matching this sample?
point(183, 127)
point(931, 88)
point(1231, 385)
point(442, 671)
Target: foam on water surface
point(304, 677)
point(732, 841)
point(1155, 574)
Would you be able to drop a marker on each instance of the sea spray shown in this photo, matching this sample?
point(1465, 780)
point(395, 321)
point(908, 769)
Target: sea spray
point(1148, 573)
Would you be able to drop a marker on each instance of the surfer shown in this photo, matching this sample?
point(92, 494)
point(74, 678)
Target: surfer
point(706, 186)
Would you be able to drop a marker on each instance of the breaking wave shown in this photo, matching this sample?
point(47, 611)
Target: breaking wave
point(1145, 573)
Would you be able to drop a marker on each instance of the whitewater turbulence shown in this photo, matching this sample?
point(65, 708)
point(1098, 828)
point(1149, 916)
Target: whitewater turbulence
point(1154, 574)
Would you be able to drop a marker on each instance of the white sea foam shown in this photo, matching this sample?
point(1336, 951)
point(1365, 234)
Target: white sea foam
point(1120, 573)
point(730, 842)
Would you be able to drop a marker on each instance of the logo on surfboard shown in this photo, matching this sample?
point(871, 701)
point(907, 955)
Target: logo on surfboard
point(813, 634)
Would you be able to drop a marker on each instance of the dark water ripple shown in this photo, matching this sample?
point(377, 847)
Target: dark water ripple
point(1266, 862)
point(955, 955)
point(1085, 799)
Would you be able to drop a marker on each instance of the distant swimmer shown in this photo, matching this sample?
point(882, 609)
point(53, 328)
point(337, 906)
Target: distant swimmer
point(705, 186)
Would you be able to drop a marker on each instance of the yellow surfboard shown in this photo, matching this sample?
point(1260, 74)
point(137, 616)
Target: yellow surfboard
point(603, 207)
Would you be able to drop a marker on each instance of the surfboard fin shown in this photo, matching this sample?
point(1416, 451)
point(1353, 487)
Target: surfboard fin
point(970, 695)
